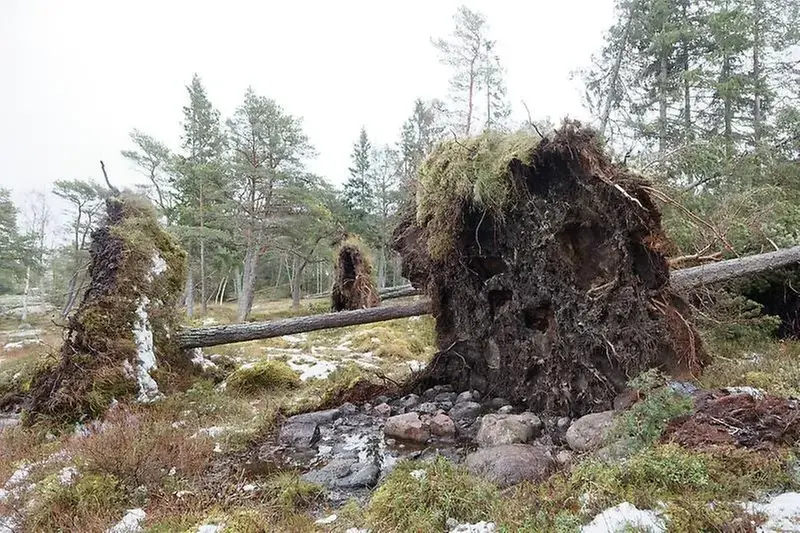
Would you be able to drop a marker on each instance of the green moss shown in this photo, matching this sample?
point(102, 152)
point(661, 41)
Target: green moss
point(263, 376)
point(291, 493)
point(643, 424)
point(405, 503)
point(473, 172)
point(109, 383)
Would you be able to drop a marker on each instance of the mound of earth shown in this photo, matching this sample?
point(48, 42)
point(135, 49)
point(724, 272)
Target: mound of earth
point(546, 266)
point(748, 420)
point(353, 286)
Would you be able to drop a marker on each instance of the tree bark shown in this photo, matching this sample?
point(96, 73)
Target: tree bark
point(296, 281)
point(689, 278)
point(687, 94)
point(727, 107)
point(189, 291)
point(216, 335)
point(248, 283)
point(382, 267)
point(757, 89)
point(203, 299)
point(26, 294)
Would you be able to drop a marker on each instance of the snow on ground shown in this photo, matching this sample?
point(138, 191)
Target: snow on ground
point(782, 513)
point(622, 518)
point(311, 368)
point(480, 527)
point(18, 345)
point(210, 528)
point(130, 523)
point(201, 360)
point(7, 524)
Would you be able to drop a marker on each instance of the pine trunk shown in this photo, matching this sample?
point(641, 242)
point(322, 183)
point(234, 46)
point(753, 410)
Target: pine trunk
point(190, 291)
point(203, 299)
point(662, 104)
point(727, 107)
point(612, 88)
point(248, 283)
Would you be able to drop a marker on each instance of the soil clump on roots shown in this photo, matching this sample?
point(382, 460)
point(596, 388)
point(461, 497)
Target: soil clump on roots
point(546, 267)
point(118, 340)
point(353, 286)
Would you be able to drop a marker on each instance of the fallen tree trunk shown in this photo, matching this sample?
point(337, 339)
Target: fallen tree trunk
point(684, 279)
point(215, 335)
point(401, 293)
point(709, 274)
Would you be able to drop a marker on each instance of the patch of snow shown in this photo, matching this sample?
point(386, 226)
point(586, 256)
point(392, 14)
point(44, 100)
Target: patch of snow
point(480, 527)
point(159, 265)
point(327, 520)
point(213, 431)
point(419, 475)
point(20, 344)
point(172, 471)
point(416, 366)
point(758, 394)
point(624, 516)
point(210, 528)
point(7, 524)
point(249, 487)
point(357, 530)
point(217, 448)
point(148, 388)
point(313, 369)
point(782, 513)
point(24, 333)
point(198, 359)
point(19, 475)
point(130, 523)
point(295, 339)
point(375, 340)
point(67, 475)
point(209, 321)
point(182, 493)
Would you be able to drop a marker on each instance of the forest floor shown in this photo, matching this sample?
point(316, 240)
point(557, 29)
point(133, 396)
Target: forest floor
point(194, 460)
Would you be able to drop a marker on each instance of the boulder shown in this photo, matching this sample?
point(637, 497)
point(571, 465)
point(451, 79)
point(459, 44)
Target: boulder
point(428, 408)
point(318, 417)
point(445, 397)
point(442, 426)
point(465, 412)
point(299, 434)
point(410, 401)
point(407, 427)
point(505, 410)
point(508, 429)
point(465, 396)
point(345, 473)
point(383, 409)
point(590, 431)
point(509, 464)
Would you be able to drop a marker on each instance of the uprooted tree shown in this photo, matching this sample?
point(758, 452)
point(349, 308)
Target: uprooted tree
point(547, 272)
point(119, 338)
point(353, 285)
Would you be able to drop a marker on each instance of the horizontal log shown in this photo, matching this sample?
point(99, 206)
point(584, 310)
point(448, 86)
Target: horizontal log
point(400, 293)
point(231, 333)
point(687, 278)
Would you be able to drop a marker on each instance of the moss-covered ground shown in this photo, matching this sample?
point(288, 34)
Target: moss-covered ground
point(179, 458)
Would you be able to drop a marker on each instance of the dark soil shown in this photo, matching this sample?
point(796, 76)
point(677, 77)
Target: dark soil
point(353, 286)
point(563, 300)
point(778, 292)
point(739, 420)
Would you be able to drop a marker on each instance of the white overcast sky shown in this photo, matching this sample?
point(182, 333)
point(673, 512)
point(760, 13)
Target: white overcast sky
point(78, 75)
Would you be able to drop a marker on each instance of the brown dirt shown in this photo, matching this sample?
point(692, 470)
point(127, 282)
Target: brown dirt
point(353, 286)
point(737, 419)
point(563, 300)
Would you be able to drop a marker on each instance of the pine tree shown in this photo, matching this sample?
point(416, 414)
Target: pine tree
point(357, 193)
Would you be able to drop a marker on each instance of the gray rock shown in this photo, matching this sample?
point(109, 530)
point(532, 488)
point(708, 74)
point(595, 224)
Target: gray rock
point(348, 408)
point(510, 464)
point(442, 426)
point(445, 397)
point(299, 434)
point(383, 409)
point(381, 399)
point(410, 401)
point(465, 412)
point(506, 410)
point(590, 431)
point(563, 422)
point(445, 406)
point(429, 395)
point(8, 421)
point(465, 396)
point(508, 429)
point(366, 408)
point(443, 388)
point(407, 427)
point(318, 417)
point(565, 457)
point(363, 476)
point(497, 403)
point(616, 451)
point(428, 408)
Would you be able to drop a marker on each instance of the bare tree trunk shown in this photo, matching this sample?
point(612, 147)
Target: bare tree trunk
point(471, 96)
point(296, 283)
point(248, 283)
point(687, 95)
point(203, 300)
point(72, 293)
point(757, 111)
point(612, 89)
point(382, 267)
point(728, 107)
point(190, 292)
point(25, 295)
point(662, 104)
point(237, 284)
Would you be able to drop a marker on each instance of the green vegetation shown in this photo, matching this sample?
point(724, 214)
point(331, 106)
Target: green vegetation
point(408, 503)
point(263, 376)
point(472, 172)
